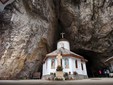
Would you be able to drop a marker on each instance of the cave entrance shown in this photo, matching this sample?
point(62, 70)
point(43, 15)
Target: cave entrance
point(91, 56)
point(60, 29)
point(93, 64)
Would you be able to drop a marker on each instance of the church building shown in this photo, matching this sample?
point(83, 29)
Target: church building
point(72, 64)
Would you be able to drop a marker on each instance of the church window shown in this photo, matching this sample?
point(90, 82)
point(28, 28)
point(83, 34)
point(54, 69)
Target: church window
point(76, 63)
point(82, 66)
point(66, 63)
point(52, 63)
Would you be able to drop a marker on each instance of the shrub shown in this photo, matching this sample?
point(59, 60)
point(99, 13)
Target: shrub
point(58, 79)
point(66, 78)
point(69, 73)
point(75, 73)
point(49, 79)
point(51, 73)
point(59, 68)
point(71, 78)
point(65, 74)
point(54, 74)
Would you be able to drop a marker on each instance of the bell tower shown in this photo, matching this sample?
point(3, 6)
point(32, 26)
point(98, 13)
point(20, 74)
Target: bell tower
point(63, 43)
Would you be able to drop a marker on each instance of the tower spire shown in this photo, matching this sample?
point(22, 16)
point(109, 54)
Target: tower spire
point(62, 34)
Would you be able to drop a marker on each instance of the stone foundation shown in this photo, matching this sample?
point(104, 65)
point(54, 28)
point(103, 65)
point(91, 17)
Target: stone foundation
point(70, 77)
point(78, 76)
point(48, 77)
point(59, 74)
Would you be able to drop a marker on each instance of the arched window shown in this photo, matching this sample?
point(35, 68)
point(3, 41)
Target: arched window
point(66, 63)
point(52, 63)
point(82, 66)
point(76, 63)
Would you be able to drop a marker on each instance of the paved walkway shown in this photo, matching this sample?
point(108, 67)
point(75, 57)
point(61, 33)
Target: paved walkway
point(91, 81)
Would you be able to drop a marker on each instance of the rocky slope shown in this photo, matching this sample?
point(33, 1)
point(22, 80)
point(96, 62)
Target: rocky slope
point(30, 28)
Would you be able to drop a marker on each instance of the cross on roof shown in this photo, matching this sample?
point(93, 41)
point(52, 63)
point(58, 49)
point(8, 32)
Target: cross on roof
point(62, 34)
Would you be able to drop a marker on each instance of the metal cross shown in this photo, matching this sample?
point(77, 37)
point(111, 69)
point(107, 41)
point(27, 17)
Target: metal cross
point(62, 34)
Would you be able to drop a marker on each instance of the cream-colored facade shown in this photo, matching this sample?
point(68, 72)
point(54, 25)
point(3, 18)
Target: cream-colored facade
point(70, 62)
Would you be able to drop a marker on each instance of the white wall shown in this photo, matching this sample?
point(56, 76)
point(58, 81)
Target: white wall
point(63, 65)
point(85, 70)
point(72, 67)
point(65, 44)
point(50, 69)
point(44, 69)
point(78, 70)
point(111, 66)
point(47, 70)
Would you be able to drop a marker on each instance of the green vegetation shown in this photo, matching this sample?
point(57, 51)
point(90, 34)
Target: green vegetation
point(59, 68)
point(58, 79)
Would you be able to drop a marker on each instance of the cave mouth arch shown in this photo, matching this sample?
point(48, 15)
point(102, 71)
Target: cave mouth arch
point(94, 61)
point(93, 64)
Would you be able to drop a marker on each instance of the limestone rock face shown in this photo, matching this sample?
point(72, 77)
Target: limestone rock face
point(90, 26)
point(89, 22)
point(29, 29)
point(26, 37)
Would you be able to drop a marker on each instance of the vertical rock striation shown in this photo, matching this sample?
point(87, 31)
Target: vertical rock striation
point(27, 39)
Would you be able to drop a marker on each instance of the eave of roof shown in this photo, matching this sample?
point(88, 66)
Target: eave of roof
point(83, 59)
point(62, 51)
point(63, 39)
point(68, 53)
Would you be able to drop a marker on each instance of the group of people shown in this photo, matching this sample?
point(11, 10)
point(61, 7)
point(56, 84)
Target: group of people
point(104, 73)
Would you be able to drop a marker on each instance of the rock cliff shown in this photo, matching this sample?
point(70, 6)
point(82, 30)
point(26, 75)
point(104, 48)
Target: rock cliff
point(30, 28)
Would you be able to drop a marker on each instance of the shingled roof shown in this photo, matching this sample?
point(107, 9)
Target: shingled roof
point(64, 52)
point(61, 51)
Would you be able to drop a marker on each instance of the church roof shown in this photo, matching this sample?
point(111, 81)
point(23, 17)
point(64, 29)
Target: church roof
point(109, 59)
point(61, 51)
point(63, 39)
point(64, 52)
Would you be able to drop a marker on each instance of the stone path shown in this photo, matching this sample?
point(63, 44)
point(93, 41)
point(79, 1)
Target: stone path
point(91, 81)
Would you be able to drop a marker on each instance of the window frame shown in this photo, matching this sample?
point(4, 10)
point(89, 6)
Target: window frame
point(65, 63)
point(53, 67)
point(82, 67)
point(76, 63)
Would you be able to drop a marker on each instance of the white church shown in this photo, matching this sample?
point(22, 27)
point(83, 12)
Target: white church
point(72, 64)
